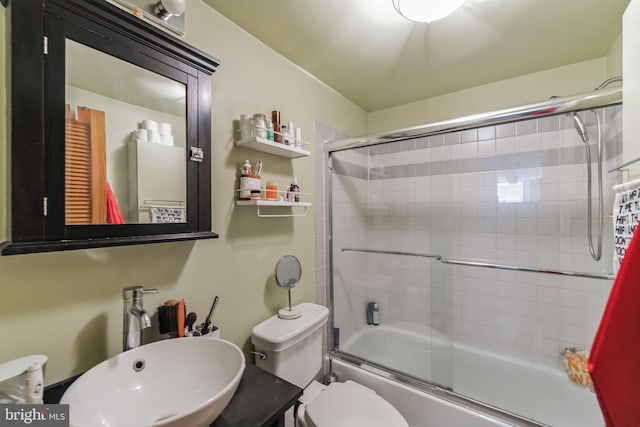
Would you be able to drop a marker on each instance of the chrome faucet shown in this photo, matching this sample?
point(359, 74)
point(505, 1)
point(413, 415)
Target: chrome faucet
point(135, 318)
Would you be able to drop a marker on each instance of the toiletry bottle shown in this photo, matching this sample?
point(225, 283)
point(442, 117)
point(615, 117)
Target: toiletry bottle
point(291, 132)
point(295, 190)
point(260, 123)
point(246, 168)
point(275, 118)
point(285, 134)
point(298, 142)
point(271, 191)
point(269, 130)
point(290, 196)
point(375, 314)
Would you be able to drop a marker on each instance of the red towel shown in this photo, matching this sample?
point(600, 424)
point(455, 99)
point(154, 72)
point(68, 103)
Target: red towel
point(615, 355)
point(113, 211)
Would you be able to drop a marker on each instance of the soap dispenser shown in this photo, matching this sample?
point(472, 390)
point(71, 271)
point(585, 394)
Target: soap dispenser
point(22, 380)
point(375, 314)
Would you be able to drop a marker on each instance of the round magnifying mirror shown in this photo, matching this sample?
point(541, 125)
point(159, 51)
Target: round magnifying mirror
point(288, 273)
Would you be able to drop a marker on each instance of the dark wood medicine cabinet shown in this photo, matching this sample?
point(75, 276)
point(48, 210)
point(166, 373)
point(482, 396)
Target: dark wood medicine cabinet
point(110, 129)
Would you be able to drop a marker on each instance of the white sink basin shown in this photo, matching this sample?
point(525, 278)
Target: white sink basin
point(180, 382)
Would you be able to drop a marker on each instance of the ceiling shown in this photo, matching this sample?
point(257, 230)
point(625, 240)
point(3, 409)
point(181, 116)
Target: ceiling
point(377, 59)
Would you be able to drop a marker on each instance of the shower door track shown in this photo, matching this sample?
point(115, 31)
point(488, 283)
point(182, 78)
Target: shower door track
point(435, 389)
point(479, 263)
point(382, 251)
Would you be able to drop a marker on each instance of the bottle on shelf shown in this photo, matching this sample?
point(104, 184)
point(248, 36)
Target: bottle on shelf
point(246, 168)
point(294, 191)
point(298, 138)
point(269, 130)
point(291, 134)
point(271, 191)
point(275, 118)
point(285, 134)
point(260, 124)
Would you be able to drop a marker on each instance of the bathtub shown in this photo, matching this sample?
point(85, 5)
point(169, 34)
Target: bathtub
point(540, 393)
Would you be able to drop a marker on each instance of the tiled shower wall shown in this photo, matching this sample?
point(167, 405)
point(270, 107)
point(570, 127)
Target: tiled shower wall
point(509, 194)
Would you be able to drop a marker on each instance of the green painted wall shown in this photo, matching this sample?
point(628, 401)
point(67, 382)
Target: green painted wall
point(68, 305)
point(567, 80)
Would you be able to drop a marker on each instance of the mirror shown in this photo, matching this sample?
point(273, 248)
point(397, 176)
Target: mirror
point(125, 139)
point(110, 130)
point(288, 273)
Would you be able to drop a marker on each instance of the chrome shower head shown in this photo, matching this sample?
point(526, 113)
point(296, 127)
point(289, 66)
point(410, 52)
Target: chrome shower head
point(580, 127)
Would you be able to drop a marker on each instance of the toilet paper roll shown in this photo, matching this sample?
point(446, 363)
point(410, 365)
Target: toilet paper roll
point(164, 128)
point(166, 139)
point(141, 134)
point(154, 136)
point(150, 125)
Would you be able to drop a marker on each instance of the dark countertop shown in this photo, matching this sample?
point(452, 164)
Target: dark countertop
point(260, 400)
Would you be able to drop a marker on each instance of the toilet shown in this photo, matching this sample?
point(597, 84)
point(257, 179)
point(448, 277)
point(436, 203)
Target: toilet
point(293, 349)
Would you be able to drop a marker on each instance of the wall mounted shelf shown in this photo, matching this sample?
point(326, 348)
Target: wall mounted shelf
point(271, 147)
point(274, 204)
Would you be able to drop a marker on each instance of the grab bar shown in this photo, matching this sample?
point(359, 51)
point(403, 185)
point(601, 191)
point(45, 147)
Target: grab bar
point(624, 165)
point(469, 263)
point(378, 251)
point(528, 269)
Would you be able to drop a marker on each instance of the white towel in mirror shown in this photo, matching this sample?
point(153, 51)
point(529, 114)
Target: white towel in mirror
point(167, 215)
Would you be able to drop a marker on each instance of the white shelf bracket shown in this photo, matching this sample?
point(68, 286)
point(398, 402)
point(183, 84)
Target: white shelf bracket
point(261, 215)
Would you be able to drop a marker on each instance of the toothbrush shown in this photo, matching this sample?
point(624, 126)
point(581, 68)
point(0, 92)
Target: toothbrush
point(207, 322)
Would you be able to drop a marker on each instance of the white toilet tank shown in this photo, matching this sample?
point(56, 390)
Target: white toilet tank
point(293, 347)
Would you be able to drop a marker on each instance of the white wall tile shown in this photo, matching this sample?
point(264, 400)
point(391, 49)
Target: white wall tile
point(487, 148)
point(524, 315)
point(488, 132)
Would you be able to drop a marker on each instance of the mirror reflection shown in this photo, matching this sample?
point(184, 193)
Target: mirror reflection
point(125, 138)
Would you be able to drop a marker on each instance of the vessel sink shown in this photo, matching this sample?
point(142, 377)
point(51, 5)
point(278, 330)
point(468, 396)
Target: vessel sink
point(181, 382)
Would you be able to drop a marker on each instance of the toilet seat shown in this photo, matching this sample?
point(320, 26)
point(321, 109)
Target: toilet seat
point(350, 404)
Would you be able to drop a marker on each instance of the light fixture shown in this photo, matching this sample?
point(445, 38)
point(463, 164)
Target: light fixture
point(165, 9)
point(426, 10)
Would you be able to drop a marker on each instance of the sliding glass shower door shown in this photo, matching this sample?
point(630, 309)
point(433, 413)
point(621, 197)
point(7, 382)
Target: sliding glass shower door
point(453, 237)
point(383, 234)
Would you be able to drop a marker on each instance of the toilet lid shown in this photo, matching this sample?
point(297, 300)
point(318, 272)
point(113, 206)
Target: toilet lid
point(352, 405)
